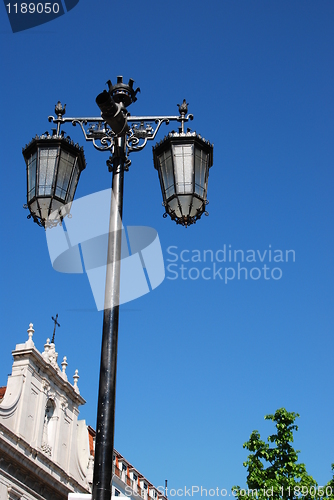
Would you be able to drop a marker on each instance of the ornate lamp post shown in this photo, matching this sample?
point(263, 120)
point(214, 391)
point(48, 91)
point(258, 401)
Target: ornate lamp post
point(54, 165)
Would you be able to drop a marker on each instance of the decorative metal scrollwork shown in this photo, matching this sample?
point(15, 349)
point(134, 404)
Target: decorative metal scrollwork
point(47, 223)
point(93, 129)
point(141, 131)
point(140, 128)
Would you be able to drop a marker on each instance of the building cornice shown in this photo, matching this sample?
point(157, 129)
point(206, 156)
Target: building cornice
point(31, 354)
point(36, 464)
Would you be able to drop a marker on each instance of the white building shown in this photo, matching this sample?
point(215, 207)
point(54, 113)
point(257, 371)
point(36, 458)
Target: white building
point(46, 452)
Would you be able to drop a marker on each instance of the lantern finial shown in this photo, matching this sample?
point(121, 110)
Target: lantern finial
point(183, 108)
point(60, 110)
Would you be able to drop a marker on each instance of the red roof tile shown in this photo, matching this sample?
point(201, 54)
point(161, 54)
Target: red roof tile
point(91, 436)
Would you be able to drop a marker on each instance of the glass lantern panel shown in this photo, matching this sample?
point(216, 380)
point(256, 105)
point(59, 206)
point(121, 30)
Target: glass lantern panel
point(183, 158)
point(65, 168)
point(44, 205)
point(55, 206)
point(196, 206)
point(34, 207)
point(47, 165)
point(166, 166)
point(32, 176)
point(185, 202)
point(173, 206)
point(74, 182)
point(201, 162)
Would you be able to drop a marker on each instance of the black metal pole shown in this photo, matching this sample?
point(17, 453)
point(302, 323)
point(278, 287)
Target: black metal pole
point(105, 425)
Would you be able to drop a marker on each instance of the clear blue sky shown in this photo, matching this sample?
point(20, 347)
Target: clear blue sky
point(200, 361)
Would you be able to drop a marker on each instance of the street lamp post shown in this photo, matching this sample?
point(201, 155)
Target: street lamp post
point(54, 164)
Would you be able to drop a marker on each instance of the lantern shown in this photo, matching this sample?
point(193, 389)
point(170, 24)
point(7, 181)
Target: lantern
point(54, 164)
point(183, 161)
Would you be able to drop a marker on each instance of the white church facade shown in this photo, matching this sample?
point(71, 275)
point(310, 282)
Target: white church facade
point(46, 452)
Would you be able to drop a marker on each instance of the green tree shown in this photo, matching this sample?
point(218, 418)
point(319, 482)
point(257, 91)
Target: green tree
point(273, 469)
point(329, 488)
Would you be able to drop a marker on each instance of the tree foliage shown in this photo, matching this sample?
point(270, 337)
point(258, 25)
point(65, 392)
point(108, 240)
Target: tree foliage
point(330, 487)
point(273, 469)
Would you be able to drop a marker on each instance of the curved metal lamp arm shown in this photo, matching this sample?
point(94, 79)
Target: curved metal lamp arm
point(141, 128)
point(93, 128)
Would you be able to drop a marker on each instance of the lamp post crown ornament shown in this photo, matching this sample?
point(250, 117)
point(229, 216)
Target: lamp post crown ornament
point(122, 92)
